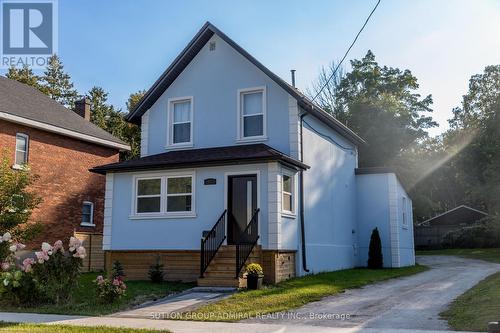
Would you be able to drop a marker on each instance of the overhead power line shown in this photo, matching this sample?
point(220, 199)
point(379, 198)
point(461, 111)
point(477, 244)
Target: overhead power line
point(347, 52)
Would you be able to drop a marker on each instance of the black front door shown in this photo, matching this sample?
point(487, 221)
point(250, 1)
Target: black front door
point(241, 204)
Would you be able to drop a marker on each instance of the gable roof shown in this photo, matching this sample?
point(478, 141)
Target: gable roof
point(20, 103)
point(192, 49)
point(457, 215)
point(202, 157)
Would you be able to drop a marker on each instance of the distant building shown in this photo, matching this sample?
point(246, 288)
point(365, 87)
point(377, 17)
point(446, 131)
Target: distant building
point(430, 233)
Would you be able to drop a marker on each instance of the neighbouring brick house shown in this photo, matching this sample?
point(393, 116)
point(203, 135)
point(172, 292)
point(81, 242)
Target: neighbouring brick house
point(60, 146)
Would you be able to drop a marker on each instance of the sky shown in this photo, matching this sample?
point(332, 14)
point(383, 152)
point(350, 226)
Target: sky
point(124, 45)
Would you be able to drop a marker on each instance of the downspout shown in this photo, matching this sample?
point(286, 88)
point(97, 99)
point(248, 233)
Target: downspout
point(301, 190)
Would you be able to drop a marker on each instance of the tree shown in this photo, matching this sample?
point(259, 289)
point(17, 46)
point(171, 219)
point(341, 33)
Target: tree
point(326, 97)
point(16, 202)
point(57, 84)
point(100, 110)
point(24, 75)
point(375, 258)
point(374, 100)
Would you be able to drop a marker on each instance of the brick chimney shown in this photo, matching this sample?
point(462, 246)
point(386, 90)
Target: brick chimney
point(82, 108)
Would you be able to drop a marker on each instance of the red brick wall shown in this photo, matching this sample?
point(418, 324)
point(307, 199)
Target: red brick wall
point(62, 164)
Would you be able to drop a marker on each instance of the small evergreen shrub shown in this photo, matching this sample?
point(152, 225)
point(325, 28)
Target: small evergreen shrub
point(117, 270)
point(156, 273)
point(375, 258)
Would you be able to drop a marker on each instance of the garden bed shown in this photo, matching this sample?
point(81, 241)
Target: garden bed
point(84, 300)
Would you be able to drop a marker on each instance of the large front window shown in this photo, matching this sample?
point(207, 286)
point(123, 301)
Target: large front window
point(252, 113)
point(181, 122)
point(164, 195)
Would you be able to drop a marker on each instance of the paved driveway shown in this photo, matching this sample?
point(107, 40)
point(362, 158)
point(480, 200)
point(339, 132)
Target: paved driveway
point(412, 302)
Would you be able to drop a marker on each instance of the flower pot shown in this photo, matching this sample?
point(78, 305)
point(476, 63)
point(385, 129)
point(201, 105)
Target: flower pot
point(254, 282)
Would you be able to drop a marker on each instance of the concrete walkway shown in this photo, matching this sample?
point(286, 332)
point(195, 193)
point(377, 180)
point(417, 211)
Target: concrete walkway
point(413, 302)
point(176, 304)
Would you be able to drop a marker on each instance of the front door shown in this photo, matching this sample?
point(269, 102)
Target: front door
point(241, 204)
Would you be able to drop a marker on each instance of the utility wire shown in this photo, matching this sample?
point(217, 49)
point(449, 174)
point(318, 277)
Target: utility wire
point(347, 52)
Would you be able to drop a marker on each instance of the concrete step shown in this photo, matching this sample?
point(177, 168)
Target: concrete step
point(218, 282)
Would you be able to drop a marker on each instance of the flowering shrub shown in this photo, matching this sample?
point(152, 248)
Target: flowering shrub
point(49, 277)
point(108, 290)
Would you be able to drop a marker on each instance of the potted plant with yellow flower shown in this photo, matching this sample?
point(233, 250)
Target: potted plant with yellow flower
point(254, 276)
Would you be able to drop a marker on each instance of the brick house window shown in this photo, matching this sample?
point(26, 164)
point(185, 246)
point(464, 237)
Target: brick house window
point(88, 214)
point(22, 145)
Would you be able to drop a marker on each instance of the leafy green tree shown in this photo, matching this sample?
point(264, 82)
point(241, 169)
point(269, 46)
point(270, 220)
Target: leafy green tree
point(16, 201)
point(108, 118)
point(382, 106)
point(24, 75)
point(56, 83)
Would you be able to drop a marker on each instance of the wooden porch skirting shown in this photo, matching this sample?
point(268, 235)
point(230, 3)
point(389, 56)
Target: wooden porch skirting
point(184, 265)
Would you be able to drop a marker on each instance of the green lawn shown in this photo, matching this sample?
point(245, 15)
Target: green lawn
point(84, 301)
point(40, 328)
point(492, 255)
point(479, 305)
point(294, 293)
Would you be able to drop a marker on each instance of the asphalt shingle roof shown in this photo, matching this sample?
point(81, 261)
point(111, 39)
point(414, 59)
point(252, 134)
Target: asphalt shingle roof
point(202, 157)
point(21, 100)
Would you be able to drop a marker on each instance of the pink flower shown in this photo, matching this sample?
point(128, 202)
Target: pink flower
point(20, 246)
point(58, 245)
point(5, 266)
point(27, 263)
point(42, 257)
point(80, 252)
point(116, 282)
point(74, 243)
point(6, 237)
point(47, 248)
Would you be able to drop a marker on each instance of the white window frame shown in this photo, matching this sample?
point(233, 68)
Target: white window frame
point(91, 223)
point(164, 214)
point(292, 194)
point(137, 196)
point(170, 122)
point(405, 212)
point(240, 120)
point(27, 138)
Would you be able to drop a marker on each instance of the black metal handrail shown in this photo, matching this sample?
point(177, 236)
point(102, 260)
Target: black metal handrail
point(211, 242)
point(247, 240)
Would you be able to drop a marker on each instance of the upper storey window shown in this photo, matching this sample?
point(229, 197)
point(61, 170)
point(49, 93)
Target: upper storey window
point(180, 122)
point(252, 114)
